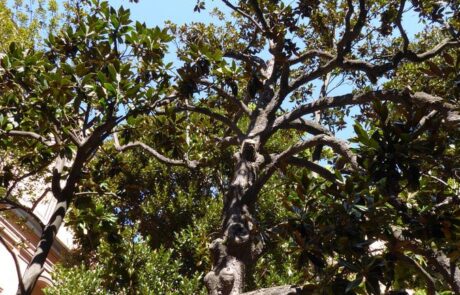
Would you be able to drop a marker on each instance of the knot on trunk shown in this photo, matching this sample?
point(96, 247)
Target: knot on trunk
point(237, 233)
point(248, 151)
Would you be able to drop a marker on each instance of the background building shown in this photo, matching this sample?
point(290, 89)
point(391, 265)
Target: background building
point(21, 233)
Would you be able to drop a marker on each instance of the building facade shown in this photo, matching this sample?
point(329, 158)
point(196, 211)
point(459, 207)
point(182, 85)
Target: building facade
point(21, 233)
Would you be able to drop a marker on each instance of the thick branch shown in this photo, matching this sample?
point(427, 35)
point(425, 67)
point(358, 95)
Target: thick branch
point(28, 134)
point(56, 179)
point(163, 159)
point(306, 126)
point(261, 17)
point(350, 35)
point(320, 170)
point(279, 290)
point(339, 146)
point(27, 210)
point(430, 283)
point(400, 27)
point(452, 115)
point(423, 124)
point(243, 13)
point(248, 58)
point(343, 47)
point(311, 54)
point(373, 71)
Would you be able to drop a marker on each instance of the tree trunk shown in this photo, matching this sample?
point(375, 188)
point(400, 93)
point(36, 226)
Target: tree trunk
point(239, 245)
point(35, 267)
point(447, 268)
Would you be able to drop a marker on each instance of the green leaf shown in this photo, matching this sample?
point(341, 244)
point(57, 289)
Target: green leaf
point(112, 72)
point(349, 265)
point(110, 88)
point(354, 284)
point(9, 127)
point(6, 62)
point(101, 77)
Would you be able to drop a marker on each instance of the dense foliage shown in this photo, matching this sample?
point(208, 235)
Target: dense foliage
point(230, 171)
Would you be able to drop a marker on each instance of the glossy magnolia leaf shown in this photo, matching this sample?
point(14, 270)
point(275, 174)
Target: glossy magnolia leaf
point(354, 284)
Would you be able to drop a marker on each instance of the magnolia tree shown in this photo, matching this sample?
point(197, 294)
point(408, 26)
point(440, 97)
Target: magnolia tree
point(259, 87)
point(257, 77)
point(59, 104)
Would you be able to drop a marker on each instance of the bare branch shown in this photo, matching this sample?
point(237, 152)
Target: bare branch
point(304, 125)
point(430, 282)
point(311, 54)
point(400, 27)
point(423, 123)
point(42, 196)
point(261, 17)
point(74, 138)
point(322, 70)
point(16, 264)
point(339, 146)
point(441, 263)
point(16, 205)
point(28, 134)
point(243, 13)
point(228, 96)
point(279, 290)
point(248, 58)
point(421, 98)
point(163, 159)
point(320, 170)
point(211, 114)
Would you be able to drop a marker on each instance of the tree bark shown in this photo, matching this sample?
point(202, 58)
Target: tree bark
point(448, 269)
point(35, 267)
point(279, 290)
point(239, 245)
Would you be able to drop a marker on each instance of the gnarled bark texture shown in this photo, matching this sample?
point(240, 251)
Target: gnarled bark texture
point(279, 290)
point(239, 246)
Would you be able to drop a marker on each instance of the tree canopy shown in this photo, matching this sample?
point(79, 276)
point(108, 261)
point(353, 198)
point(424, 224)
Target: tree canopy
point(228, 171)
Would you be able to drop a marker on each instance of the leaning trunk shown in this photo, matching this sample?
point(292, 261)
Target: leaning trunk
point(447, 268)
point(35, 267)
point(239, 246)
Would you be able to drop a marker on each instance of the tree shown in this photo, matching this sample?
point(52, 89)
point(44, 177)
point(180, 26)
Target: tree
point(60, 103)
point(306, 42)
point(130, 195)
point(25, 23)
point(243, 103)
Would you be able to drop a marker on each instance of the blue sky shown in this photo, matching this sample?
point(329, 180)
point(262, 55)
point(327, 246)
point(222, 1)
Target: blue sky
point(156, 12)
